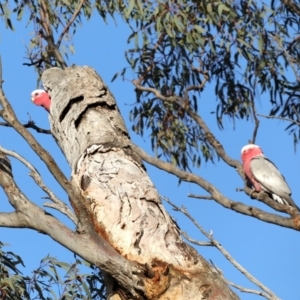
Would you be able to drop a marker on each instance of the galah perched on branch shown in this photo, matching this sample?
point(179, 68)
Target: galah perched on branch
point(264, 175)
point(41, 98)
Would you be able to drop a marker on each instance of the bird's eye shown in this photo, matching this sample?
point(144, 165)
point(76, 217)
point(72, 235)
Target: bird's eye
point(36, 94)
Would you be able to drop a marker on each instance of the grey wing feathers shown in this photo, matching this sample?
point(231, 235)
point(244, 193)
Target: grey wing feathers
point(266, 173)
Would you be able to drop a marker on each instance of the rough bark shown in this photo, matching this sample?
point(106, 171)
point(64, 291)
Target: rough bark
point(122, 202)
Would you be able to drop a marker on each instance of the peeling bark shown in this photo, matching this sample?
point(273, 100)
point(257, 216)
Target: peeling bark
point(119, 197)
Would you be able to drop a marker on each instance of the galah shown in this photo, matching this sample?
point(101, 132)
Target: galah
point(41, 98)
point(264, 175)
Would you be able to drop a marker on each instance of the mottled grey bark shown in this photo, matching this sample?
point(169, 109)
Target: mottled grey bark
point(123, 205)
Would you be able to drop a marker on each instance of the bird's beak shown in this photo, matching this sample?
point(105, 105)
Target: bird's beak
point(32, 99)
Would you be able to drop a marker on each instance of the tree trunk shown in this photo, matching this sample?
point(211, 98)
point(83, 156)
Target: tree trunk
point(123, 204)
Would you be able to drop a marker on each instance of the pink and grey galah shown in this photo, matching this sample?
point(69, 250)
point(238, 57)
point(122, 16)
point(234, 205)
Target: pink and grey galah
point(264, 175)
point(41, 98)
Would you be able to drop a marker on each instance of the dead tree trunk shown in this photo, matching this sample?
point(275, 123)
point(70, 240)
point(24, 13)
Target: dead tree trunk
point(123, 204)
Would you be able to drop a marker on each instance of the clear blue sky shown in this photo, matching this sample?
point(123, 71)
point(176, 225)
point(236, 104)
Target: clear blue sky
point(269, 252)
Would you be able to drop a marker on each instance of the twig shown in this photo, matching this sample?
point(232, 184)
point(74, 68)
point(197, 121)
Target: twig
point(290, 59)
point(279, 118)
point(66, 29)
point(29, 124)
point(52, 49)
point(196, 87)
point(256, 121)
point(148, 69)
point(208, 134)
point(58, 204)
point(293, 42)
point(246, 290)
point(38, 62)
point(201, 197)
point(269, 294)
point(185, 235)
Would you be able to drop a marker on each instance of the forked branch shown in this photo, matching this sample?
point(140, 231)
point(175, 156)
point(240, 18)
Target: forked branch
point(267, 293)
point(57, 204)
point(221, 199)
point(88, 245)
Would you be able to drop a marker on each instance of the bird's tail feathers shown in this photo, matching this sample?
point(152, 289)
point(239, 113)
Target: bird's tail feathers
point(289, 201)
point(279, 199)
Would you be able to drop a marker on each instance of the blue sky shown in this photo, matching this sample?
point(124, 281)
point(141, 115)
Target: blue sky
point(269, 252)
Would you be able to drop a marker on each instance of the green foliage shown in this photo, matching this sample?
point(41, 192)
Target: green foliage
point(238, 49)
point(51, 280)
point(54, 23)
point(245, 48)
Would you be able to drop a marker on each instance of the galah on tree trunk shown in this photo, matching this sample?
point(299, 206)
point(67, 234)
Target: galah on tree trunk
point(41, 98)
point(264, 175)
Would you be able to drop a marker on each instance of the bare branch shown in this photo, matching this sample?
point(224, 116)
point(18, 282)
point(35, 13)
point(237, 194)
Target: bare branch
point(33, 62)
point(9, 116)
point(295, 111)
point(88, 245)
point(29, 124)
point(11, 220)
point(58, 204)
point(224, 201)
point(200, 197)
point(151, 65)
point(256, 121)
point(231, 162)
point(187, 237)
point(280, 118)
point(262, 197)
point(290, 59)
point(196, 87)
point(250, 291)
point(215, 143)
point(66, 29)
point(208, 134)
point(269, 294)
point(53, 49)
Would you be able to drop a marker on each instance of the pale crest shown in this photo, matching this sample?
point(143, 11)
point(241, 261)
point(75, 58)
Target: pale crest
point(37, 92)
point(250, 146)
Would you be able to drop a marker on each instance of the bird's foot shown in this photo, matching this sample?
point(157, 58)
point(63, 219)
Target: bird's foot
point(251, 194)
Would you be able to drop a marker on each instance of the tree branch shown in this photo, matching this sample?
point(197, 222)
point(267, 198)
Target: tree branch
point(66, 29)
point(58, 204)
point(269, 294)
point(256, 122)
point(188, 238)
point(29, 124)
point(264, 198)
point(85, 222)
point(280, 118)
point(224, 201)
point(152, 63)
point(208, 134)
point(292, 6)
point(53, 49)
point(201, 197)
point(291, 60)
point(250, 291)
point(88, 245)
point(11, 220)
point(231, 162)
